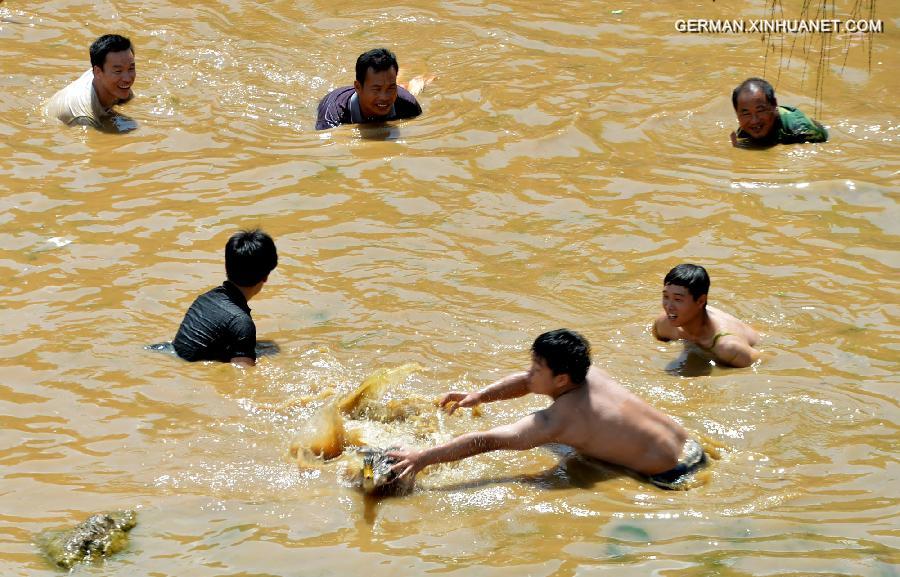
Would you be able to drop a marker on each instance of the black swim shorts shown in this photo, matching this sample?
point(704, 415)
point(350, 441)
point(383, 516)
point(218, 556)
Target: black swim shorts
point(692, 458)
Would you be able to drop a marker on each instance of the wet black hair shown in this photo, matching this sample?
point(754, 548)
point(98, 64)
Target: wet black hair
point(250, 256)
point(378, 59)
point(565, 352)
point(106, 44)
point(693, 277)
point(754, 84)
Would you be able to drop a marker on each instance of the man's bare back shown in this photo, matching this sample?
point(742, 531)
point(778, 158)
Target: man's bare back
point(604, 420)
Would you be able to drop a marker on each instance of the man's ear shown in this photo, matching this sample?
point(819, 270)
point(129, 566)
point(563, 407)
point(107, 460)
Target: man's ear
point(562, 380)
point(702, 300)
point(357, 86)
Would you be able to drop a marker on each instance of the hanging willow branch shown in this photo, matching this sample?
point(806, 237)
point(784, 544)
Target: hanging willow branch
point(821, 41)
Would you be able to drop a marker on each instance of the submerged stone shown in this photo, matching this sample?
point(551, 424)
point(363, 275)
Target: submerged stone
point(100, 535)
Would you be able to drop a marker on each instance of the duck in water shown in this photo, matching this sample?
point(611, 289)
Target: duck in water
point(378, 478)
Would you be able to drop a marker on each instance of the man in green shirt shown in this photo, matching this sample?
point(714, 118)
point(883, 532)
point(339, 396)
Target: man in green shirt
point(763, 123)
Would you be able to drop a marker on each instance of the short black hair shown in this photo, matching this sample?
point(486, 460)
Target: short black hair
point(250, 256)
point(565, 352)
point(693, 277)
point(378, 59)
point(106, 44)
point(754, 84)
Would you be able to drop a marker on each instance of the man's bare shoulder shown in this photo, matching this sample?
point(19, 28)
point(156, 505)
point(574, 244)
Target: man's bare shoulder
point(728, 325)
point(601, 384)
point(597, 376)
point(548, 425)
point(663, 330)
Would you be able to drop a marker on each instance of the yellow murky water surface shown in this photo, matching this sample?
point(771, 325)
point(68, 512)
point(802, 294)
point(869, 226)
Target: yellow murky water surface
point(570, 154)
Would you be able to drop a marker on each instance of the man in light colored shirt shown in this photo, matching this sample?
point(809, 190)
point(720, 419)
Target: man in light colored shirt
point(89, 100)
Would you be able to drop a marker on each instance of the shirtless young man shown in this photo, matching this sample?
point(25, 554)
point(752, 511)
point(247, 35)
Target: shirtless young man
point(591, 413)
point(686, 316)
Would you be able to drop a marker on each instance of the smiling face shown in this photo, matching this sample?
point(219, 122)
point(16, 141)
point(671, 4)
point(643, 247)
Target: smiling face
point(113, 81)
point(679, 306)
point(378, 93)
point(755, 114)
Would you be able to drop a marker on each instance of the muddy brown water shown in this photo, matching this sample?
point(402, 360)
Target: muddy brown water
point(567, 158)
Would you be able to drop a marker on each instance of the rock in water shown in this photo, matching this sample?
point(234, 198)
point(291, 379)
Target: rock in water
point(99, 536)
point(377, 477)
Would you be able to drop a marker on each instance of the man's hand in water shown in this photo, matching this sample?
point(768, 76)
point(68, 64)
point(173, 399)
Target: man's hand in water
point(417, 84)
point(455, 399)
point(734, 141)
point(408, 462)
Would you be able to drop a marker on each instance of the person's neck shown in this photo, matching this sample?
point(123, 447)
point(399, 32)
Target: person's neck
point(695, 329)
point(106, 99)
point(248, 291)
point(374, 117)
point(568, 389)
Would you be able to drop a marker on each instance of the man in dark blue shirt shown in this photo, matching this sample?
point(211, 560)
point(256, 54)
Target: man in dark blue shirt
point(218, 326)
point(374, 96)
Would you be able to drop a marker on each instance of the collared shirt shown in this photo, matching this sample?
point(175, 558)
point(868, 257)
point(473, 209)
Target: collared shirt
point(217, 327)
point(78, 104)
point(341, 106)
point(791, 127)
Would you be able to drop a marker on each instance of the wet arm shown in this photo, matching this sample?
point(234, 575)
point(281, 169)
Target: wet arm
point(242, 335)
point(417, 84)
point(737, 354)
point(509, 387)
point(531, 431)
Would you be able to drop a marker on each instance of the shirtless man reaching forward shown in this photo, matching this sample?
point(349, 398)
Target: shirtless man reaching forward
point(591, 413)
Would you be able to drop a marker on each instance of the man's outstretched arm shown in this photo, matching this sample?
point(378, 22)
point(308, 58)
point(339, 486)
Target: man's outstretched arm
point(531, 431)
point(509, 387)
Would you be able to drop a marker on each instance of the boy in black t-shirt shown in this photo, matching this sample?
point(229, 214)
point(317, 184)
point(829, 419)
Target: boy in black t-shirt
point(218, 326)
